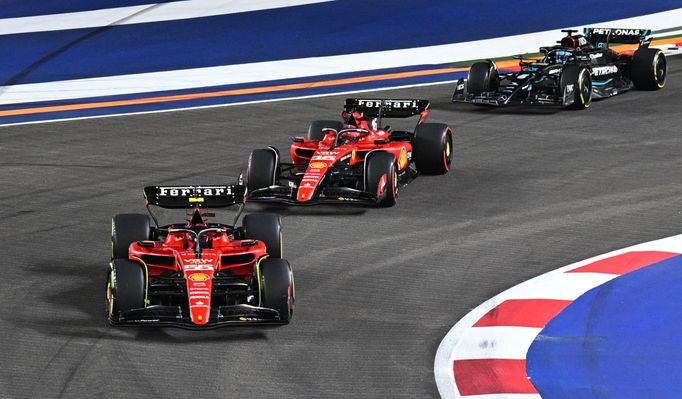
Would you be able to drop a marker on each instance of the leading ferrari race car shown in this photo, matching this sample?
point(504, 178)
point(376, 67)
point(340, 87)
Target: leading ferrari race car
point(197, 274)
point(571, 74)
point(357, 161)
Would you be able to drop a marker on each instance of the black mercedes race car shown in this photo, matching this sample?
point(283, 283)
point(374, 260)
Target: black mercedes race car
point(571, 74)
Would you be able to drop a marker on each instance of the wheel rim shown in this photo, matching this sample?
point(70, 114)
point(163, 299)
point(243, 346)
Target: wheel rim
point(585, 88)
point(109, 303)
point(447, 152)
point(659, 70)
point(395, 182)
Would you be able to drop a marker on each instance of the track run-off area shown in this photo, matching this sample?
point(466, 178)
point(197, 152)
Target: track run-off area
point(377, 289)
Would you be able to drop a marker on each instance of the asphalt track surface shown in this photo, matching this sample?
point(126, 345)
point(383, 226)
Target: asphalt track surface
point(377, 288)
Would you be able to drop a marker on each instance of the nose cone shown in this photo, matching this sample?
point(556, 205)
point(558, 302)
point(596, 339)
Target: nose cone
point(199, 295)
point(313, 176)
point(305, 193)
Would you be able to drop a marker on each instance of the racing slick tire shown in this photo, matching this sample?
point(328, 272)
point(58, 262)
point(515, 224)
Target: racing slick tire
point(482, 77)
point(261, 170)
point(315, 128)
point(277, 287)
point(381, 177)
point(580, 78)
point(265, 227)
point(649, 69)
point(126, 287)
point(126, 228)
point(432, 148)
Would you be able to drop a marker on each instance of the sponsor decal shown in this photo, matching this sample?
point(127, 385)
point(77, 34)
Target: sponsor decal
point(554, 71)
point(402, 160)
point(198, 277)
point(595, 56)
point(198, 261)
point(582, 41)
point(212, 191)
point(345, 157)
point(318, 165)
point(619, 32)
point(460, 86)
point(605, 70)
point(388, 103)
point(323, 158)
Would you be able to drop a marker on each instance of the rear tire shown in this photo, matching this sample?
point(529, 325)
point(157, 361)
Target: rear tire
point(580, 78)
point(315, 128)
point(126, 288)
point(483, 77)
point(649, 69)
point(432, 148)
point(265, 227)
point(261, 170)
point(277, 287)
point(126, 228)
point(381, 177)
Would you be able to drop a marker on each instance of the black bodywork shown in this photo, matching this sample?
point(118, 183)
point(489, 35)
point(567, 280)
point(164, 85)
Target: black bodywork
point(539, 82)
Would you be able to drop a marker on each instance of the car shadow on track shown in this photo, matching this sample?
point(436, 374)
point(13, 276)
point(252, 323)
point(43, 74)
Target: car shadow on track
point(483, 109)
point(311, 210)
point(72, 304)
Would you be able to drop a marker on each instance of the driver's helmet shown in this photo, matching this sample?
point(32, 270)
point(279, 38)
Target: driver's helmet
point(561, 56)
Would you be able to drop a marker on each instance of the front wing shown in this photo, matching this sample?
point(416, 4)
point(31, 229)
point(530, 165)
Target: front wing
point(177, 316)
point(508, 95)
point(326, 195)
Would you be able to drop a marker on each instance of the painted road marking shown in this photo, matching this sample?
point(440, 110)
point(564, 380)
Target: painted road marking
point(510, 64)
point(192, 78)
point(483, 356)
point(156, 12)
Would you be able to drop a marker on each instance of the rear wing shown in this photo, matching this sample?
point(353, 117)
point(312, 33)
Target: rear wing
point(177, 197)
point(602, 37)
point(384, 108)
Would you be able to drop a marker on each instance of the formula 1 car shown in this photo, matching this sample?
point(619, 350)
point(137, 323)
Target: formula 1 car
point(571, 74)
point(197, 274)
point(357, 161)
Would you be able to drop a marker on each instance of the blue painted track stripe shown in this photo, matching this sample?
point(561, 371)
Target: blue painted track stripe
point(25, 8)
point(218, 101)
point(349, 26)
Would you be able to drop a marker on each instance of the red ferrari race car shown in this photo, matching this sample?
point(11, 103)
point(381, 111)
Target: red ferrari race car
point(197, 274)
point(357, 161)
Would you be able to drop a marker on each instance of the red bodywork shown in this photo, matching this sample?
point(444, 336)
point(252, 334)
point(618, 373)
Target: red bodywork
point(320, 155)
point(220, 252)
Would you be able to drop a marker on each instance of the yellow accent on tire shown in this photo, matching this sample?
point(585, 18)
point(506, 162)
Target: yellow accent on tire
point(110, 292)
point(660, 85)
point(260, 281)
point(146, 280)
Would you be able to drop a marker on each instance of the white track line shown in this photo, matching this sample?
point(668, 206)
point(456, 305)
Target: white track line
point(271, 100)
point(141, 14)
point(304, 67)
point(456, 345)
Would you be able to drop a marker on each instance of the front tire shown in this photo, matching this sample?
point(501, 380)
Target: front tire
point(126, 228)
point(265, 227)
point(432, 148)
point(381, 177)
point(483, 77)
point(277, 287)
point(126, 288)
point(261, 171)
point(649, 69)
point(580, 78)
